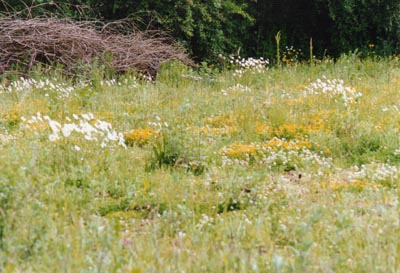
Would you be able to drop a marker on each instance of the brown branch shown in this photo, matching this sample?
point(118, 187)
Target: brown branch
point(70, 43)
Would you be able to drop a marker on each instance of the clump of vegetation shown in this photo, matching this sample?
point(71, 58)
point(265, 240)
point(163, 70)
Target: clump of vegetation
point(167, 152)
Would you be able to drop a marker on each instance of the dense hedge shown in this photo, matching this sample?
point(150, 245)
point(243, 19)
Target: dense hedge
point(210, 27)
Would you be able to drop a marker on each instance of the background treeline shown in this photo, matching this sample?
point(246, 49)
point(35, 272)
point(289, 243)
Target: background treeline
point(211, 27)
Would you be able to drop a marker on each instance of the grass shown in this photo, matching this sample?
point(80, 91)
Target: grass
point(290, 169)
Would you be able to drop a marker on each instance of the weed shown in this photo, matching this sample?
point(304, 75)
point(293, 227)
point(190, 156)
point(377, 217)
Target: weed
point(165, 153)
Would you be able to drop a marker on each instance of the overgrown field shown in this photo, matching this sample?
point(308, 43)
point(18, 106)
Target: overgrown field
point(292, 169)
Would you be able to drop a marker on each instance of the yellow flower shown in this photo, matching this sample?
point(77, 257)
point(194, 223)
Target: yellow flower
point(240, 150)
point(140, 137)
point(278, 144)
point(261, 129)
point(221, 121)
point(356, 185)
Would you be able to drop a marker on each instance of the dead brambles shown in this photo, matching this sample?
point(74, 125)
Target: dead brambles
point(72, 43)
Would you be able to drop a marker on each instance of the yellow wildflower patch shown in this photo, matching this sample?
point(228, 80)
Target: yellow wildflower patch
point(261, 128)
point(11, 117)
point(218, 125)
point(216, 131)
point(240, 150)
point(353, 185)
point(288, 131)
point(220, 121)
point(291, 131)
point(277, 144)
point(140, 137)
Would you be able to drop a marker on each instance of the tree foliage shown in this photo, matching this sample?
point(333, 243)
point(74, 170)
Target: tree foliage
point(210, 27)
point(206, 27)
point(359, 23)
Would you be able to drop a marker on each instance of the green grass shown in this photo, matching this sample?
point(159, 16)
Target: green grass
point(267, 172)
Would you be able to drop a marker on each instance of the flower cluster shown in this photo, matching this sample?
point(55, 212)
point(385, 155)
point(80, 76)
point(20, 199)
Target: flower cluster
point(291, 56)
point(382, 173)
point(158, 125)
point(221, 120)
point(248, 65)
point(129, 82)
point(356, 185)
point(26, 86)
point(244, 150)
point(84, 125)
point(213, 131)
point(275, 153)
point(12, 116)
point(223, 124)
point(333, 89)
point(291, 130)
point(140, 137)
point(6, 138)
point(205, 221)
point(236, 88)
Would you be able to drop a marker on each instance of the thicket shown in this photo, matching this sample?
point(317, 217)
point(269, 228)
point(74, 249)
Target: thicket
point(211, 27)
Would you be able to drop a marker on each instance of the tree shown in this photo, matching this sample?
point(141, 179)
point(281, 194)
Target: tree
point(206, 27)
point(358, 23)
point(210, 27)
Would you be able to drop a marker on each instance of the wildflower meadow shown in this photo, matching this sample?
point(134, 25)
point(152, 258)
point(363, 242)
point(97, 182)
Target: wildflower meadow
point(246, 168)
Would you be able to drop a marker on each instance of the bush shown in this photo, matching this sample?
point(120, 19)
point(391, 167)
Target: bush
point(207, 28)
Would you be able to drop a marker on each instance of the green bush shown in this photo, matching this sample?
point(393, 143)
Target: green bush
point(211, 27)
point(207, 28)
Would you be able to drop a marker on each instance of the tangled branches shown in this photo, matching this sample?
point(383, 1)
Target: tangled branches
point(72, 43)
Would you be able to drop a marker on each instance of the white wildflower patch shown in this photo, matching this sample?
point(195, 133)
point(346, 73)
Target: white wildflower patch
point(130, 83)
point(192, 77)
point(380, 172)
point(158, 124)
point(85, 126)
point(251, 65)
point(205, 221)
point(236, 88)
point(6, 138)
point(335, 89)
point(26, 86)
point(373, 172)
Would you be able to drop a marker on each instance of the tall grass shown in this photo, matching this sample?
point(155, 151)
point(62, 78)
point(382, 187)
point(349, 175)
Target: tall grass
point(287, 169)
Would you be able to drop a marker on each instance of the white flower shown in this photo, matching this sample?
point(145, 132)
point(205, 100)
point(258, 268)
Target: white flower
point(86, 128)
point(100, 131)
point(55, 126)
point(102, 125)
point(112, 136)
point(54, 137)
point(86, 116)
point(67, 129)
